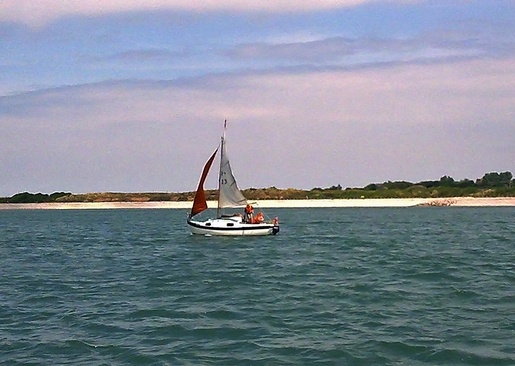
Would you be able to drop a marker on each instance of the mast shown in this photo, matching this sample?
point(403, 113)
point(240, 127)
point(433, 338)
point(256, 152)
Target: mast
point(229, 195)
point(222, 151)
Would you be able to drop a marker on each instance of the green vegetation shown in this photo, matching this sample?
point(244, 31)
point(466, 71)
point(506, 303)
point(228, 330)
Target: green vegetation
point(490, 185)
point(27, 197)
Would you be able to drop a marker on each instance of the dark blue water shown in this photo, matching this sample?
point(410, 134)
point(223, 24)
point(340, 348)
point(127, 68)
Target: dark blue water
point(391, 286)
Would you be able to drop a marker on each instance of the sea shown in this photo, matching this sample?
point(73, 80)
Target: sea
point(337, 286)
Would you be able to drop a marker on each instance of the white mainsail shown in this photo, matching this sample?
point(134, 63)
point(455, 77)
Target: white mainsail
point(229, 193)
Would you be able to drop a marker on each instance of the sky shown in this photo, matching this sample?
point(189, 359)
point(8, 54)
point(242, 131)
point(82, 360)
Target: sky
point(130, 96)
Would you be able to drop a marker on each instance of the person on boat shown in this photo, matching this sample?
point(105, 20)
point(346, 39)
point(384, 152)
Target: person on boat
point(259, 218)
point(249, 214)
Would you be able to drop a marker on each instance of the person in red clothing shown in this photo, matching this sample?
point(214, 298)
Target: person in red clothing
point(259, 218)
point(248, 216)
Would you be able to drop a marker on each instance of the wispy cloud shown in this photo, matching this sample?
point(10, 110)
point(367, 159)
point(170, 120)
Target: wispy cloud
point(435, 45)
point(143, 55)
point(37, 12)
point(345, 51)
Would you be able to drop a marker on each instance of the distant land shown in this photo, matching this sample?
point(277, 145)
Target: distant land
point(490, 185)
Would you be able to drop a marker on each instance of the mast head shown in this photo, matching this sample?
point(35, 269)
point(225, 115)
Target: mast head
point(223, 133)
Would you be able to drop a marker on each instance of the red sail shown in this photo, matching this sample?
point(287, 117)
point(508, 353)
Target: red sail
point(200, 204)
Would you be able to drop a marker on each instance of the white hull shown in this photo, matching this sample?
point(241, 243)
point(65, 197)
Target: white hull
point(233, 226)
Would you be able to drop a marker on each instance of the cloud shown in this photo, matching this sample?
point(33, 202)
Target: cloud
point(303, 129)
point(338, 51)
point(469, 40)
point(312, 51)
point(142, 55)
point(38, 12)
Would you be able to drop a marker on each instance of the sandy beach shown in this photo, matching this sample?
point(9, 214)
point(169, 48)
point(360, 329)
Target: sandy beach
point(385, 202)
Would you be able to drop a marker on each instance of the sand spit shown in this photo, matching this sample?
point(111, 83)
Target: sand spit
point(478, 201)
point(384, 202)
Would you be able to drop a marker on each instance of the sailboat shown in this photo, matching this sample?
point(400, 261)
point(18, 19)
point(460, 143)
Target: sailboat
point(229, 196)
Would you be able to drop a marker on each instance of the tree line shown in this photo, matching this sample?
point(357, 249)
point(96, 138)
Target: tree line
point(490, 185)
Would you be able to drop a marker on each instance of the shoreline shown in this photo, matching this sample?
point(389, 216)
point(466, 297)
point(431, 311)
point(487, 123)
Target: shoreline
point(325, 203)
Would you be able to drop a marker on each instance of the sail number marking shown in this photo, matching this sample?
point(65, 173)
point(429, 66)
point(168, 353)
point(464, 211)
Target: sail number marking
point(222, 179)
